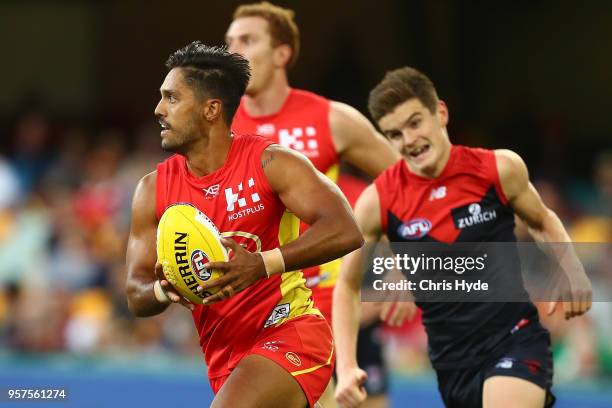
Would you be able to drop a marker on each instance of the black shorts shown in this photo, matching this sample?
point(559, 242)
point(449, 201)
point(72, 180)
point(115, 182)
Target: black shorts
point(526, 354)
point(370, 359)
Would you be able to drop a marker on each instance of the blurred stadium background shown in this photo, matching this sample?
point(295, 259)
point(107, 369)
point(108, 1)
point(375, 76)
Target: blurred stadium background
point(79, 83)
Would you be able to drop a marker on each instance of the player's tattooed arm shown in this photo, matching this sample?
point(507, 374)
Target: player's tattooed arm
point(310, 196)
point(314, 199)
point(141, 258)
point(544, 226)
point(357, 141)
point(266, 158)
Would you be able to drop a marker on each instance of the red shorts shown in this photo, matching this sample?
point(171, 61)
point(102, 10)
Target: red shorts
point(323, 301)
point(304, 347)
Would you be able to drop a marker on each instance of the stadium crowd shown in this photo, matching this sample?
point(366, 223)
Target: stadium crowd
point(64, 219)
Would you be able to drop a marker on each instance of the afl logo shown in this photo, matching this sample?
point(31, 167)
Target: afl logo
point(414, 229)
point(293, 358)
point(198, 259)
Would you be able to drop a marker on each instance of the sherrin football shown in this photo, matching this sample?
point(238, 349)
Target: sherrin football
point(186, 240)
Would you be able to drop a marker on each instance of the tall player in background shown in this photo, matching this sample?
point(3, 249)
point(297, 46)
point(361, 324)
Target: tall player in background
point(485, 354)
point(324, 131)
point(266, 344)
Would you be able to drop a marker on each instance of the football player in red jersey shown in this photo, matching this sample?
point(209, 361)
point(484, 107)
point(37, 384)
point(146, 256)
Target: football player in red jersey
point(325, 131)
point(266, 344)
point(491, 354)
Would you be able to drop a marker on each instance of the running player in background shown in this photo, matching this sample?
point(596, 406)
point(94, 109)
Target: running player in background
point(266, 345)
point(324, 131)
point(485, 354)
point(370, 346)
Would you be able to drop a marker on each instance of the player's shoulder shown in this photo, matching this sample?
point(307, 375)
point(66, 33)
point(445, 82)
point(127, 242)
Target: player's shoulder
point(147, 181)
point(173, 160)
point(248, 141)
point(277, 153)
point(392, 171)
point(169, 167)
point(468, 154)
point(474, 161)
point(369, 196)
point(303, 95)
point(390, 178)
point(507, 156)
point(251, 147)
point(509, 163)
point(144, 194)
point(149, 177)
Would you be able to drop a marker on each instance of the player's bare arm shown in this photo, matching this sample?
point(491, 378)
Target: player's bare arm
point(141, 258)
point(358, 142)
point(349, 391)
point(313, 199)
point(544, 226)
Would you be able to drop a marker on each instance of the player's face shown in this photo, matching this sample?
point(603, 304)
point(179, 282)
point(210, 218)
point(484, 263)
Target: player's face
point(419, 135)
point(249, 36)
point(178, 113)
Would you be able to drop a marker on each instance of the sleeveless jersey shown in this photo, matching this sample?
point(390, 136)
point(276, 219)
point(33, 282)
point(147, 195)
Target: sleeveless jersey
point(417, 209)
point(239, 200)
point(301, 124)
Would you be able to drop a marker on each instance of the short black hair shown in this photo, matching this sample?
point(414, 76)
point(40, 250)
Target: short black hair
point(213, 72)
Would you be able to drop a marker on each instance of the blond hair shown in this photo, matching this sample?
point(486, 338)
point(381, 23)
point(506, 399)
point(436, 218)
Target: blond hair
point(281, 24)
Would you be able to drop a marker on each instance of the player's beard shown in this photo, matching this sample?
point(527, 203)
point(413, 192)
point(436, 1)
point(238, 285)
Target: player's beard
point(180, 140)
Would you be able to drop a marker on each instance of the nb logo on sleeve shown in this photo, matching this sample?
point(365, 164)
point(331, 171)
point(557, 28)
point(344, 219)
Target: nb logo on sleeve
point(437, 193)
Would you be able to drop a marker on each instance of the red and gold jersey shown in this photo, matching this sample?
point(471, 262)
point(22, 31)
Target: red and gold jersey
point(239, 200)
point(302, 124)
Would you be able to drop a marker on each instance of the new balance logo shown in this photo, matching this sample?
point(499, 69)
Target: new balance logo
point(211, 192)
point(505, 362)
point(437, 193)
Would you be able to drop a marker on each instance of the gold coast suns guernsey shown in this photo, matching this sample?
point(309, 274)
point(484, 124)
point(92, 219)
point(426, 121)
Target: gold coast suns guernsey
point(239, 200)
point(302, 124)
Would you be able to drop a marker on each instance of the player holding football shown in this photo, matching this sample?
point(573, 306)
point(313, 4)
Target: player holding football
point(485, 354)
point(266, 345)
point(324, 131)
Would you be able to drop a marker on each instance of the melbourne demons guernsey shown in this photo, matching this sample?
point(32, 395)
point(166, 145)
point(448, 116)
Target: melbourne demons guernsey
point(239, 200)
point(301, 124)
point(464, 204)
